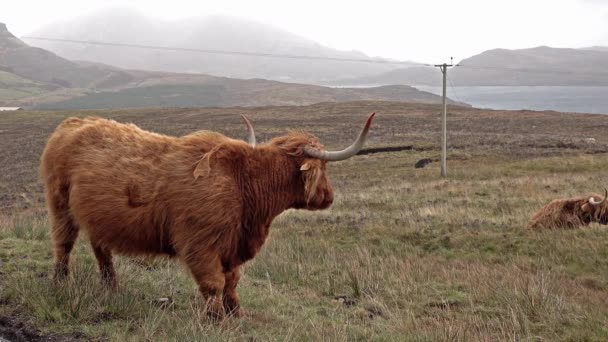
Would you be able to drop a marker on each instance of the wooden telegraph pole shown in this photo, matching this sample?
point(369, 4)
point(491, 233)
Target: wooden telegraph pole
point(444, 131)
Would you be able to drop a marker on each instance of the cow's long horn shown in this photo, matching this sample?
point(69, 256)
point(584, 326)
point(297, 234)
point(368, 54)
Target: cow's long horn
point(250, 129)
point(593, 202)
point(345, 153)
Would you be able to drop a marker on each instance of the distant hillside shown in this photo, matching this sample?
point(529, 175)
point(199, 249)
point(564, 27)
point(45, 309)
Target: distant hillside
point(531, 67)
point(14, 87)
point(209, 33)
point(40, 65)
point(597, 48)
point(231, 92)
point(36, 78)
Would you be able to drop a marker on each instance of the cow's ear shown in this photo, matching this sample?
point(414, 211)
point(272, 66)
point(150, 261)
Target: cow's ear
point(305, 167)
point(203, 166)
point(311, 178)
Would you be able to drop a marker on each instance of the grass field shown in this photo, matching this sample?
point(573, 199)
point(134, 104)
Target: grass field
point(402, 255)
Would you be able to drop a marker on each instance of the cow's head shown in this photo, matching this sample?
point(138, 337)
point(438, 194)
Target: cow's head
point(596, 208)
point(307, 165)
point(313, 189)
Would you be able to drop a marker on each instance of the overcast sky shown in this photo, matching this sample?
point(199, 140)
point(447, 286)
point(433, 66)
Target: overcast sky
point(420, 30)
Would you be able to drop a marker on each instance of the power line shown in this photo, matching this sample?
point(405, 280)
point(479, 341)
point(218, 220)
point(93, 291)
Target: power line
point(453, 89)
point(306, 57)
point(224, 52)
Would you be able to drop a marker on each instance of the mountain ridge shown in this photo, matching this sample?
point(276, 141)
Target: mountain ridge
point(40, 79)
point(537, 66)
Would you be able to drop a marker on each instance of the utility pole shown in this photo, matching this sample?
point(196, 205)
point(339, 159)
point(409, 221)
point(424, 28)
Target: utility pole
point(444, 131)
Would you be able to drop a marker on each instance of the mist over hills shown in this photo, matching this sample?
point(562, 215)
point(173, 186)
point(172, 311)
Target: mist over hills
point(36, 78)
point(540, 66)
point(43, 66)
point(223, 33)
point(597, 48)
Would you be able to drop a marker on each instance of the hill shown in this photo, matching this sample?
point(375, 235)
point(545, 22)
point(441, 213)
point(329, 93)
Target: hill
point(220, 33)
point(43, 66)
point(14, 87)
point(230, 92)
point(597, 48)
point(540, 66)
point(37, 78)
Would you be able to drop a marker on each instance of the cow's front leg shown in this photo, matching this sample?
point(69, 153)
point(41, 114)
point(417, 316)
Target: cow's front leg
point(231, 297)
point(208, 273)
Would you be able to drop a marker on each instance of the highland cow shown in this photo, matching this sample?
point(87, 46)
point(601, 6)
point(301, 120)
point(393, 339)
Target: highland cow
point(571, 213)
point(205, 198)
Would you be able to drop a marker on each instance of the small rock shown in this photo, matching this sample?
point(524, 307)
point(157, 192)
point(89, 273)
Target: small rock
point(345, 300)
point(444, 304)
point(373, 311)
point(104, 316)
point(589, 140)
point(163, 302)
point(422, 163)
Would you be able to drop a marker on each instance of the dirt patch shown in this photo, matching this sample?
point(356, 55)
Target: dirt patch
point(15, 330)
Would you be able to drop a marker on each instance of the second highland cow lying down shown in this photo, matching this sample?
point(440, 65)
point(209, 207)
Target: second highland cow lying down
point(571, 213)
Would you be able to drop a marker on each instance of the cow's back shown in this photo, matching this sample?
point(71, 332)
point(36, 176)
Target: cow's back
point(111, 172)
point(559, 213)
point(130, 189)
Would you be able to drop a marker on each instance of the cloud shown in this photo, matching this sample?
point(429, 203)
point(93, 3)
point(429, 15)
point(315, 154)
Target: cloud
point(595, 2)
point(604, 36)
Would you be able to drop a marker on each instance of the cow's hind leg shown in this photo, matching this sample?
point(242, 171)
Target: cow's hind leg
point(63, 230)
point(64, 234)
point(106, 266)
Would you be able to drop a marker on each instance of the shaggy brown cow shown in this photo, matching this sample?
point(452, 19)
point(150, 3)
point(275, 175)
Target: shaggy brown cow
point(571, 213)
point(203, 197)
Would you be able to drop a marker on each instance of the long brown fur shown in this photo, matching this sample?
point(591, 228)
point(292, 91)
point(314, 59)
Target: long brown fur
point(570, 213)
point(205, 198)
